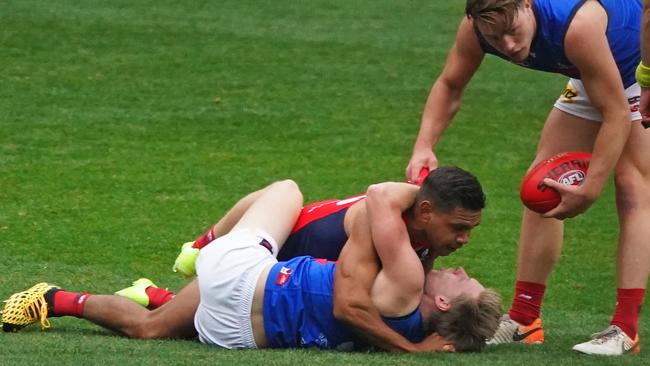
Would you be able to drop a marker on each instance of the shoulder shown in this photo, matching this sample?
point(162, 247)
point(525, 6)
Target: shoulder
point(590, 20)
point(586, 36)
point(355, 212)
point(466, 38)
point(395, 193)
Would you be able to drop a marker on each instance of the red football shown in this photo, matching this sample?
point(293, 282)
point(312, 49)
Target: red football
point(568, 168)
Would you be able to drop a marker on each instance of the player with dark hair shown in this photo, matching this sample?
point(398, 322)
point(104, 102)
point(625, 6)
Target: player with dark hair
point(433, 227)
point(323, 227)
point(249, 300)
point(595, 44)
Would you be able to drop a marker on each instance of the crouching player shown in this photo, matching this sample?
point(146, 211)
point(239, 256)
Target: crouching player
point(249, 300)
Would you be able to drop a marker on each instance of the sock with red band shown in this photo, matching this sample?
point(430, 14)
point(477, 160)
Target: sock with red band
point(205, 239)
point(158, 296)
point(527, 303)
point(64, 303)
point(628, 308)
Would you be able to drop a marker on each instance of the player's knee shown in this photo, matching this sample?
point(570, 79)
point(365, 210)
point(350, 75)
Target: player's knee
point(290, 188)
point(138, 331)
point(288, 184)
point(631, 189)
point(148, 328)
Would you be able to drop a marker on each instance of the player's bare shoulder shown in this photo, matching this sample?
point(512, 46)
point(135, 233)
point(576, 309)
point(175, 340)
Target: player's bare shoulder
point(586, 42)
point(465, 56)
point(466, 35)
point(398, 194)
point(356, 211)
point(590, 20)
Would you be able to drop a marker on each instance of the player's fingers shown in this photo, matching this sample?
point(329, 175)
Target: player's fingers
point(413, 173)
point(549, 182)
point(410, 169)
point(556, 213)
point(554, 185)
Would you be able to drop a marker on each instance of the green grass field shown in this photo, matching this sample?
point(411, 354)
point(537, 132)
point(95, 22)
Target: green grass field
point(128, 127)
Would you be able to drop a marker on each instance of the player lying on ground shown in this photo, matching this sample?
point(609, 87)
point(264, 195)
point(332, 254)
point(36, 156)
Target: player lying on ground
point(440, 214)
point(249, 300)
point(322, 228)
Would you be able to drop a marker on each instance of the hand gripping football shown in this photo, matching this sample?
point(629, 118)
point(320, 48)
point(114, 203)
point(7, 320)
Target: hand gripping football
point(568, 168)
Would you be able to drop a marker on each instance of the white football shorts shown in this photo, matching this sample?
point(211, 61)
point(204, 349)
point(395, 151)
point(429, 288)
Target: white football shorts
point(575, 101)
point(227, 270)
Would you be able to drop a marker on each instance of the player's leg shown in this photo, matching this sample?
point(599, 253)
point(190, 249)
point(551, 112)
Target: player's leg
point(540, 240)
point(226, 223)
point(172, 320)
point(633, 260)
point(228, 271)
point(633, 203)
point(185, 261)
point(37, 304)
point(274, 212)
point(271, 209)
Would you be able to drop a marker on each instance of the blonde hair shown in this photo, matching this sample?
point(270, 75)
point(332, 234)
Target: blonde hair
point(469, 322)
point(493, 12)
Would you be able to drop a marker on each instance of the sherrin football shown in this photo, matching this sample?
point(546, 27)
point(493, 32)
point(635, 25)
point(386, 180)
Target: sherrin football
point(568, 168)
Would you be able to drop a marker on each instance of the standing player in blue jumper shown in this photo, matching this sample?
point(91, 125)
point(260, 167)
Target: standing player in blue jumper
point(596, 44)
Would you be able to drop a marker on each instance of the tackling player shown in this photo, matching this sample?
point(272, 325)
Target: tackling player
point(596, 44)
point(441, 214)
point(323, 227)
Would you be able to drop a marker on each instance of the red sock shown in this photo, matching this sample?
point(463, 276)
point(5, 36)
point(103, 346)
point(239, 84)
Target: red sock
point(527, 304)
point(158, 296)
point(69, 303)
point(205, 239)
point(628, 307)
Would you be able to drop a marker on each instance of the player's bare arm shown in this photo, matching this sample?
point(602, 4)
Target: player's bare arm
point(444, 99)
point(356, 271)
point(388, 202)
point(587, 47)
point(400, 282)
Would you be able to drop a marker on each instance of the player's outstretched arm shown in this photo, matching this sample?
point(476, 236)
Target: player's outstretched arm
point(444, 99)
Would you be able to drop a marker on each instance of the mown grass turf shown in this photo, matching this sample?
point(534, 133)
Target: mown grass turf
point(127, 127)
